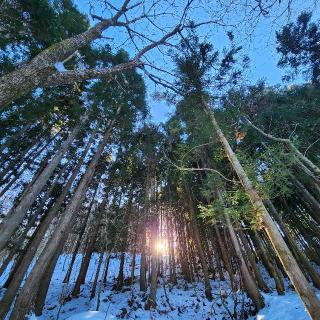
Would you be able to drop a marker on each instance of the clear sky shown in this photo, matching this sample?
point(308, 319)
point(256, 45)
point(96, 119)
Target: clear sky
point(260, 46)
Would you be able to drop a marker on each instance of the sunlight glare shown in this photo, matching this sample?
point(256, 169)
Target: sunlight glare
point(161, 247)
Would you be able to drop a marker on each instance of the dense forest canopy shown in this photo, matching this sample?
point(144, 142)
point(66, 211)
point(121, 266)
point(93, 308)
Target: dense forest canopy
point(220, 201)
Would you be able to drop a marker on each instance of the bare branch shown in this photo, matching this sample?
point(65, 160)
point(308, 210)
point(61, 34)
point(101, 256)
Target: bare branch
point(315, 169)
point(200, 169)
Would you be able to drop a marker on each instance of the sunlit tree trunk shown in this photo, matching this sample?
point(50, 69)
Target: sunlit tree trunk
point(291, 267)
point(152, 299)
point(300, 256)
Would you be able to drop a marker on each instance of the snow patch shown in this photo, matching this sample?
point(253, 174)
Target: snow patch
point(96, 315)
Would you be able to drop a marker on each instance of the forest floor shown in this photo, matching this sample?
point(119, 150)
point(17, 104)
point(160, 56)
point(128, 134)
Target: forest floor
point(183, 301)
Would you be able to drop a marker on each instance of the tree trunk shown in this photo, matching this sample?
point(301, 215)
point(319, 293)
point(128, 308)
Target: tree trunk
point(89, 250)
point(143, 260)
point(120, 277)
point(261, 283)
point(225, 257)
point(19, 273)
point(105, 273)
point(296, 251)
point(217, 256)
point(15, 136)
point(26, 297)
point(133, 265)
point(24, 164)
point(83, 224)
point(46, 279)
point(248, 281)
point(94, 286)
point(16, 216)
point(185, 266)
point(296, 276)
point(199, 248)
point(36, 73)
point(309, 198)
point(272, 269)
point(172, 261)
point(152, 299)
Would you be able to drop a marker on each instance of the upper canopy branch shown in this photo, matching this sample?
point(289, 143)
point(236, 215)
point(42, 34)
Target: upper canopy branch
point(40, 71)
point(315, 169)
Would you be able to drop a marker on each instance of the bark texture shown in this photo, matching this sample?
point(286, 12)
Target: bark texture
point(290, 265)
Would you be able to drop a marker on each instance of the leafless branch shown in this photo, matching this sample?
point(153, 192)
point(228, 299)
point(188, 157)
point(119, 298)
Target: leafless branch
point(200, 169)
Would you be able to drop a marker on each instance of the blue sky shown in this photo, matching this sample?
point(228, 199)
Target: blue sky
point(260, 46)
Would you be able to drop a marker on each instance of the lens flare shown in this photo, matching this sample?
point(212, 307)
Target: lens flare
point(161, 247)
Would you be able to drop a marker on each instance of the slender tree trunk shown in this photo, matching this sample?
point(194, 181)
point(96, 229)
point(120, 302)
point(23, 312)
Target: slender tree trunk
point(26, 163)
point(105, 273)
point(17, 242)
point(261, 283)
point(88, 253)
point(152, 299)
point(6, 262)
point(208, 253)
point(22, 153)
point(185, 266)
point(272, 269)
point(143, 260)
point(133, 265)
point(46, 279)
point(107, 261)
point(309, 198)
point(297, 252)
point(124, 236)
point(225, 257)
point(191, 254)
point(94, 286)
point(15, 136)
point(26, 297)
point(120, 278)
point(199, 249)
point(19, 273)
point(248, 281)
point(173, 275)
point(16, 216)
point(296, 276)
point(217, 256)
point(78, 243)
point(18, 160)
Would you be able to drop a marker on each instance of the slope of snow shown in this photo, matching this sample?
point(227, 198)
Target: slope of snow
point(183, 301)
point(287, 307)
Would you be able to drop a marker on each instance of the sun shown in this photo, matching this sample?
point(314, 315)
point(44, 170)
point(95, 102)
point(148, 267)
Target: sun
point(161, 246)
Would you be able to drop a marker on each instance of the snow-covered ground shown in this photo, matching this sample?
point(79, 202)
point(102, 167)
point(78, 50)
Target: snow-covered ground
point(183, 301)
